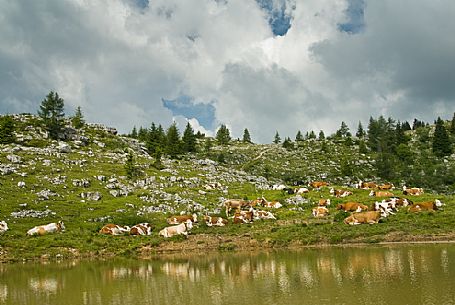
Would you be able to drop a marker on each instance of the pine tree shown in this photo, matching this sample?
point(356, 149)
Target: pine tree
point(133, 133)
point(321, 135)
point(208, 145)
point(142, 134)
point(360, 131)
point(277, 139)
point(51, 111)
point(173, 143)
point(189, 139)
point(343, 131)
point(223, 136)
point(405, 126)
point(78, 119)
point(299, 136)
point(441, 141)
point(362, 147)
point(246, 136)
point(452, 125)
point(7, 128)
point(130, 167)
point(287, 143)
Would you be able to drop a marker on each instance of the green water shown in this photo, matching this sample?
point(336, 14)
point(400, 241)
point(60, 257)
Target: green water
point(411, 274)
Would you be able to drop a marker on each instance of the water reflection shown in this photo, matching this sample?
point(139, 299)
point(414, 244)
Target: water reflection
point(420, 274)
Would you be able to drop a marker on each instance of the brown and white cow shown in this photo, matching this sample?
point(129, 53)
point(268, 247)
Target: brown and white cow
point(215, 221)
point(300, 191)
point(318, 184)
point(258, 201)
point(340, 193)
point(113, 229)
point(386, 187)
point(45, 229)
point(381, 194)
point(180, 229)
point(178, 219)
point(259, 214)
point(426, 206)
point(141, 229)
point(273, 204)
point(352, 207)
point(237, 204)
point(366, 185)
point(320, 211)
point(413, 191)
point(243, 217)
point(324, 202)
point(370, 217)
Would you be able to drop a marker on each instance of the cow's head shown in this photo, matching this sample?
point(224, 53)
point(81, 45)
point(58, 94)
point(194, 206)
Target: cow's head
point(61, 225)
point(438, 203)
point(194, 217)
point(372, 193)
point(189, 224)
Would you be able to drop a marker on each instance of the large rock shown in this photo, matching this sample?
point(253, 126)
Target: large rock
point(92, 196)
point(63, 147)
point(14, 158)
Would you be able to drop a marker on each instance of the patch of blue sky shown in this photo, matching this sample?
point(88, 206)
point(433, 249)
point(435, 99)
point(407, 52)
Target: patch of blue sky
point(355, 15)
point(278, 17)
point(186, 107)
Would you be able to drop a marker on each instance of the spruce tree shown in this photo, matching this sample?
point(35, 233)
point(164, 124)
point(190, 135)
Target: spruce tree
point(189, 139)
point(441, 141)
point(287, 143)
point(343, 131)
point(51, 111)
point(173, 143)
point(312, 135)
point(223, 136)
point(321, 135)
point(246, 136)
point(142, 134)
point(78, 119)
point(299, 136)
point(277, 139)
point(133, 133)
point(130, 167)
point(360, 131)
point(7, 128)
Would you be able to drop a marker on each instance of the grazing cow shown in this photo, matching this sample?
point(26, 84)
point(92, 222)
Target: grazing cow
point(3, 227)
point(352, 207)
point(235, 204)
point(413, 191)
point(381, 194)
point(370, 217)
point(366, 185)
point(300, 191)
point(45, 229)
point(178, 219)
point(320, 211)
point(215, 221)
point(273, 204)
point(340, 193)
point(141, 229)
point(386, 187)
point(426, 206)
point(263, 215)
point(324, 202)
point(180, 229)
point(243, 216)
point(113, 229)
point(318, 184)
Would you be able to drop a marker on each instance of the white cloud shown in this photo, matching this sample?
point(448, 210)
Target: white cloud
point(118, 62)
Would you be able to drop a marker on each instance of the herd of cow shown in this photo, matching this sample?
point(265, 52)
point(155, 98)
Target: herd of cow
point(245, 211)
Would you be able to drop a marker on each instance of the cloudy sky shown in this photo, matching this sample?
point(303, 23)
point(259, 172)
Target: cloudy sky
point(265, 65)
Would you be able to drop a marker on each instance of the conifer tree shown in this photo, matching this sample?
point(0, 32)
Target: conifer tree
point(246, 136)
point(173, 143)
point(189, 139)
point(277, 138)
point(142, 134)
point(287, 143)
point(360, 131)
point(343, 131)
point(133, 133)
point(130, 167)
point(441, 141)
point(7, 128)
point(312, 135)
point(299, 136)
point(51, 111)
point(223, 135)
point(321, 135)
point(78, 119)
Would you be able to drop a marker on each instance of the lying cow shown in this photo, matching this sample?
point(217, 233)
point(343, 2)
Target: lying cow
point(215, 221)
point(273, 204)
point(318, 184)
point(380, 194)
point(258, 201)
point(413, 191)
point(3, 227)
point(180, 229)
point(352, 207)
point(324, 202)
point(141, 229)
point(340, 193)
point(178, 219)
point(366, 185)
point(386, 187)
point(386, 207)
point(370, 217)
point(258, 214)
point(426, 206)
point(237, 204)
point(113, 229)
point(45, 229)
point(300, 191)
point(243, 217)
point(320, 211)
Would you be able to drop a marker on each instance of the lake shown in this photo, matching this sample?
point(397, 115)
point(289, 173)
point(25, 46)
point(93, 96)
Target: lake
point(393, 274)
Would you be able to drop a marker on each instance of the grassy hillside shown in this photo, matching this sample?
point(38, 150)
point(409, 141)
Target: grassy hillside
point(43, 181)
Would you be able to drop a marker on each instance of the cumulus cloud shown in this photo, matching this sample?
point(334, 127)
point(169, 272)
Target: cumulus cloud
point(337, 60)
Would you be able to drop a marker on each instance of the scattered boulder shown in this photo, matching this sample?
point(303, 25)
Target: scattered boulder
point(92, 196)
